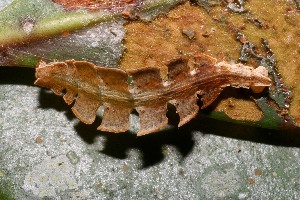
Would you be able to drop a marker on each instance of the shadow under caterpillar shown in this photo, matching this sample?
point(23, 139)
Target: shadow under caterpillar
point(93, 86)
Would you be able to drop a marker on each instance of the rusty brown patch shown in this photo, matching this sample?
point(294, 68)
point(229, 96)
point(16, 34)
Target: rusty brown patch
point(185, 30)
point(96, 4)
point(235, 108)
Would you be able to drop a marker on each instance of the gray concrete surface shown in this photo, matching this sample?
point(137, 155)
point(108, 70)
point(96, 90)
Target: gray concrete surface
point(46, 153)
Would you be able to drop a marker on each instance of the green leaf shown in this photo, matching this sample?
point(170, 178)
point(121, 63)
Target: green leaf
point(41, 29)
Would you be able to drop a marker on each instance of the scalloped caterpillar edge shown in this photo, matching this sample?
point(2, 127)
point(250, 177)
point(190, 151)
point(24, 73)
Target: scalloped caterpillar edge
point(92, 86)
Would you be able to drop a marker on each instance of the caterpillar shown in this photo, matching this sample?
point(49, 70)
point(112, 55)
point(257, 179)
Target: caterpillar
point(93, 86)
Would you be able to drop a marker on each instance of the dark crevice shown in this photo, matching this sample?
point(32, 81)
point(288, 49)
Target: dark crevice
point(48, 100)
point(17, 75)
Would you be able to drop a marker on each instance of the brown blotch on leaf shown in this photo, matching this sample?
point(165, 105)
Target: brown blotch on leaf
point(148, 94)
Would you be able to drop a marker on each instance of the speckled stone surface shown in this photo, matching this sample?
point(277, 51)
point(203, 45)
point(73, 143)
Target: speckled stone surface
point(46, 153)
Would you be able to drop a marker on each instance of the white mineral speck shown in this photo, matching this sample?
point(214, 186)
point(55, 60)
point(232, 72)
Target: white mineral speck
point(28, 26)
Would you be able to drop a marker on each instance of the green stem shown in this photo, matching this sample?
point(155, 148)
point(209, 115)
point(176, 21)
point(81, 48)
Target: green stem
point(54, 20)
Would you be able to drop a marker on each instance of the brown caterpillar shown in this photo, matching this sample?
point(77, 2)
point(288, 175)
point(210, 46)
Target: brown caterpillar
point(93, 86)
